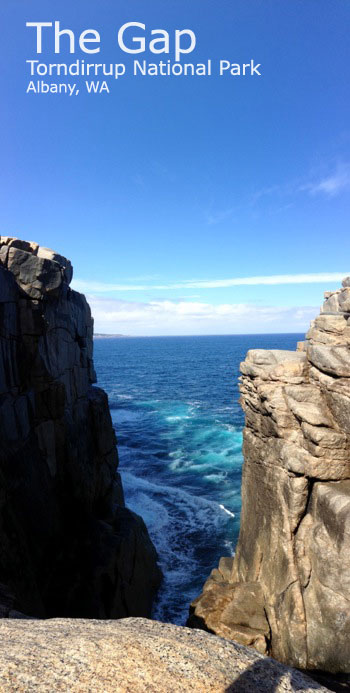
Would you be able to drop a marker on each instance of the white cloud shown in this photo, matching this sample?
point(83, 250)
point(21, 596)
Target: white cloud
point(182, 317)
point(273, 280)
point(332, 184)
point(333, 181)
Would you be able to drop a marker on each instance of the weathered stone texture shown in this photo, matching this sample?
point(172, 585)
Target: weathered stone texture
point(134, 656)
point(293, 551)
point(68, 546)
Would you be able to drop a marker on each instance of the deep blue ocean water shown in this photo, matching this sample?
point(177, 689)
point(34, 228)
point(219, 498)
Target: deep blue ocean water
point(174, 406)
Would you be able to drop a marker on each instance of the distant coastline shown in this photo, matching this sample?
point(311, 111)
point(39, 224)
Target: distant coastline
point(99, 335)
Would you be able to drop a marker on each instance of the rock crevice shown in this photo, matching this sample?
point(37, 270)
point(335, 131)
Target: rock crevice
point(292, 558)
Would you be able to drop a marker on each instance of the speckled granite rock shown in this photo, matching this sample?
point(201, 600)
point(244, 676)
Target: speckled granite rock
point(292, 563)
point(68, 546)
point(134, 656)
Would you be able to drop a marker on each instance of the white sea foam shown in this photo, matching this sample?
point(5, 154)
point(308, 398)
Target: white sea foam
point(230, 547)
point(201, 506)
point(226, 511)
point(173, 517)
point(216, 478)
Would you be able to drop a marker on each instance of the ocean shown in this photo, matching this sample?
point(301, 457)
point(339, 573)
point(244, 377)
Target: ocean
point(174, 405)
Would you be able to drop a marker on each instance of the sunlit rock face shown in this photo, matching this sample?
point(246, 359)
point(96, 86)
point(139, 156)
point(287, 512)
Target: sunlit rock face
point(68, 544)
point(134, 655)
point(287, 591)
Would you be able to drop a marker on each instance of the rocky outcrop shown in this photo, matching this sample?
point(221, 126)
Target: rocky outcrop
point(68, 545)
point(287, 591)
point(134, 656)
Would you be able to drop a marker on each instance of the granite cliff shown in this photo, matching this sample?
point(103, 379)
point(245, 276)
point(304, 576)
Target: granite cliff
point(287, 590)
point(68, 544)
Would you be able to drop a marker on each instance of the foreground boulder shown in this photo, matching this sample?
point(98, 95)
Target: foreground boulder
point(68, 545)
point(134, 656)
point(287, 591)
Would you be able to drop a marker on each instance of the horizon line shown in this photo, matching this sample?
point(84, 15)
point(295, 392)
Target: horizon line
point(107, 335)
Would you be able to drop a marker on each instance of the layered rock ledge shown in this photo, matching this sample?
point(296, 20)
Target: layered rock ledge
point(134, 656)
point(287, 591)
point(68, 545)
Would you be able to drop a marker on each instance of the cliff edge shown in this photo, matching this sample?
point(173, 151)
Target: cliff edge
point(287, 590)
point(68, 545)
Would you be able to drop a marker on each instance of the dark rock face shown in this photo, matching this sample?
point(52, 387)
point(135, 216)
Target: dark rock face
point(68, 545)
point(292, 562)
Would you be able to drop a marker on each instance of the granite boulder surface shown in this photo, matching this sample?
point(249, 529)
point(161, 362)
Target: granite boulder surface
point(134, 655)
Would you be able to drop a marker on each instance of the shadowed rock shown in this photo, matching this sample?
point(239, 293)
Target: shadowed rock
point(68, 545)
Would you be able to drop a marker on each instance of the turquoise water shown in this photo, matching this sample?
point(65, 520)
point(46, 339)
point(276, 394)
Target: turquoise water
point(174, 406)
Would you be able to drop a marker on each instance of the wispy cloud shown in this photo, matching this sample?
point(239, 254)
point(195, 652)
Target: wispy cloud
point(332, 184)
point(331, 181)
point(272, 280)
point(183, 317)
point(219, 216)
point(268, 191)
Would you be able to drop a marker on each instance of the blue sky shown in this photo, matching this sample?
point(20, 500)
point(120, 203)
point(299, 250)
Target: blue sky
point(167, 187)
